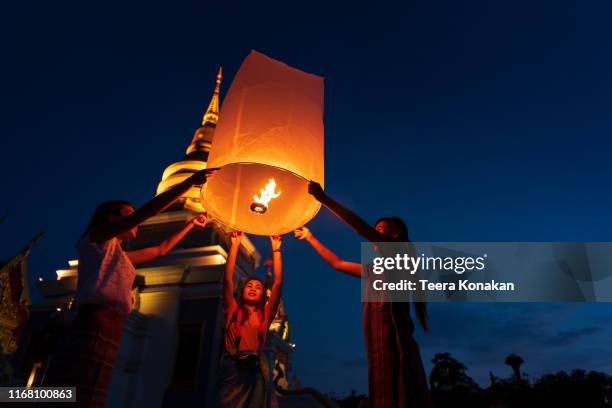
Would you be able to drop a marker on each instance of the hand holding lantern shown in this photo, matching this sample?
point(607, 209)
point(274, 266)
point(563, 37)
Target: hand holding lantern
point(276, 242)
point(302, 233)
point(200, 220)
point(200, 177)
point(315, 190)
point(236, 237)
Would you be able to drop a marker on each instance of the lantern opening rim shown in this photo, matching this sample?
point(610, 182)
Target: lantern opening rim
point(213, 214)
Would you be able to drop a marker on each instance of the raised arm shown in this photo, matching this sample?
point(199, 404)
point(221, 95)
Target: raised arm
point(276, 290)
point(148, 254)
point(228, 279)
point(353, 220)
point(350, 268)
point(155, 206)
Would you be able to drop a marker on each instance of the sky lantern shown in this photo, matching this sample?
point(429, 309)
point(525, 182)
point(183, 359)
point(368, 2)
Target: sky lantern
point(268, 144)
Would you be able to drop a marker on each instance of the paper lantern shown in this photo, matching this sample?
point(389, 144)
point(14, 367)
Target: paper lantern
point(268, 144)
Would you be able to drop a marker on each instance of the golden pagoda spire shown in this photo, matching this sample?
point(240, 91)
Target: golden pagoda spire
point(196, 155)
point(212, 113)
point(203, 136)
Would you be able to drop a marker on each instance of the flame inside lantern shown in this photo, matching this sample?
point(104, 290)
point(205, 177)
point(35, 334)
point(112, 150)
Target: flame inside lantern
point(260, 203)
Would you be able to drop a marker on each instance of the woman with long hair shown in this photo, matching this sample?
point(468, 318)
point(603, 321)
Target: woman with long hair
point(106, 274)
point(396, 378)
point(240, 380)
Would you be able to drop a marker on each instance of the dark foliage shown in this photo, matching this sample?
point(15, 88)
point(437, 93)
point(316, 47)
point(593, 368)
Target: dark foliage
point(451, 387)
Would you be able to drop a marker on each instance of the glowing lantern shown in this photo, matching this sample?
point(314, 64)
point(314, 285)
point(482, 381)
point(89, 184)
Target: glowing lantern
point(268, 144)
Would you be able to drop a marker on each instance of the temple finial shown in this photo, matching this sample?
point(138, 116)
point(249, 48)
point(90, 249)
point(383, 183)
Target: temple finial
point(203, 135)
point(212, 113)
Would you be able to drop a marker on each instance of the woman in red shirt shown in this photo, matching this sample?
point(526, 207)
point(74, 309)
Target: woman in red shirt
point(240, 380)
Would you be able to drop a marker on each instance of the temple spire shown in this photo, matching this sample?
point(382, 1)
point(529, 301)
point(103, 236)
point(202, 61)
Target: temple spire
point(212, 113)
point(203, 135)
point(196, 156)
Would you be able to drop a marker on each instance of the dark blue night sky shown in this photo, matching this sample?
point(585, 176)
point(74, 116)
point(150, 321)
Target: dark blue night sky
point(484, 121)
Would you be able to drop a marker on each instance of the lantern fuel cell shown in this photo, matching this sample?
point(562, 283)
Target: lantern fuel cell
point(268, 144)
point(260, 202)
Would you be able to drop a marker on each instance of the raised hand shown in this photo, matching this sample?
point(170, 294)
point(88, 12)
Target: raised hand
point(316, 190)
point(200, 220)
point(200, 177)
point(236, 237)
point(276, 241)
point(302, 233)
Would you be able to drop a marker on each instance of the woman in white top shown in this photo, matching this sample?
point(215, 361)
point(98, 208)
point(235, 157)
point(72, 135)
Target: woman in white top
point(106, 274)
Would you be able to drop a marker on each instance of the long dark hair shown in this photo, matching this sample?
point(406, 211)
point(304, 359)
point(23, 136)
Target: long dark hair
point(420, 307)
point(104, 211)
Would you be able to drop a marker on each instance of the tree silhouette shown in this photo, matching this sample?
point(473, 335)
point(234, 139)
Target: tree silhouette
point(577, 389)
point(515, 362)
point(452, 387)
point(449, 383)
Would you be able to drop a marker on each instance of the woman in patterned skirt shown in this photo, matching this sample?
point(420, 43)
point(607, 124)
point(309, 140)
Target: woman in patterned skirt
point(106, 272)
point(396, 378)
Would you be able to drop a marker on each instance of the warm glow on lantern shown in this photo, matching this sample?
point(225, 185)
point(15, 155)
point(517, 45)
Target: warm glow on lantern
point(270, 130)
point(260, 203)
